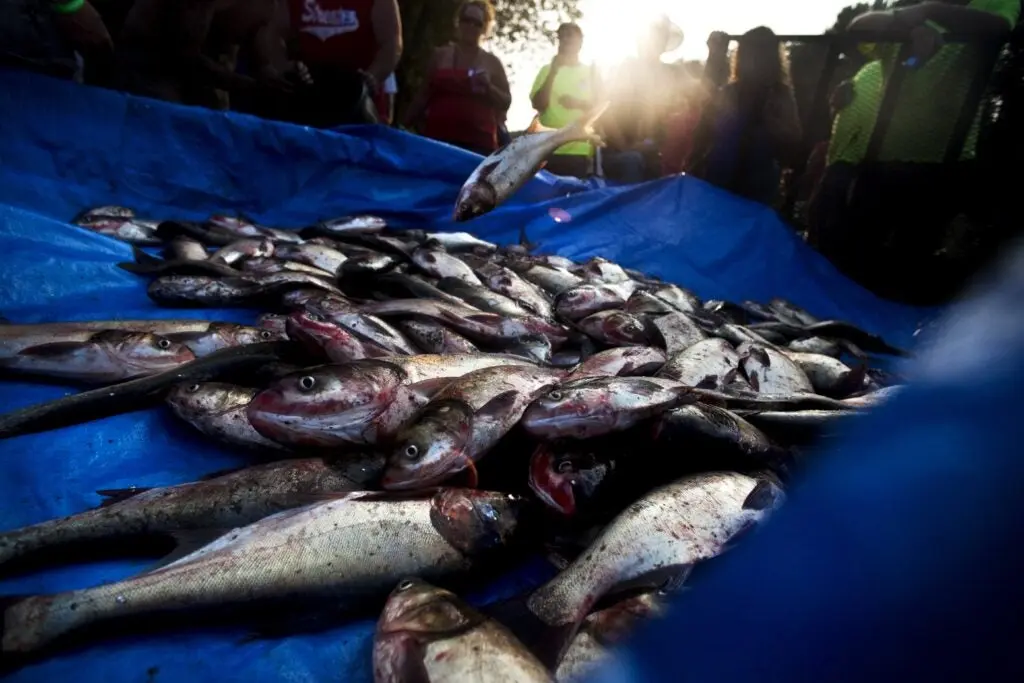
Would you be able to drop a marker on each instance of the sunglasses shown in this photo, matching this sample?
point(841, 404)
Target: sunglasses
point(472, 21)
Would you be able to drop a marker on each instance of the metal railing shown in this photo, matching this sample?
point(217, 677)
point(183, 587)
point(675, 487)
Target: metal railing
point(987, 53)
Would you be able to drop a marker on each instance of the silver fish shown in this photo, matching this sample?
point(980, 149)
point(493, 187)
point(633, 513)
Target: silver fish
point(710, 364)
point(552, 280)
point(240, 250)
point(502, 173)
point(428, 635)
point(678, 332)
point(482, 297)
point(224, 501)
point(772, 372)
point(433, 337)
point(663, 534)
point(506, 282)
point(441, 264)
point(626, 360)
point(315, 255)
point(458, 241)
point(218, 410)
point(591, 406)
point(222, 336)
point(103, 358)
point(828, 376)
point(462, 423)
point(351, 548)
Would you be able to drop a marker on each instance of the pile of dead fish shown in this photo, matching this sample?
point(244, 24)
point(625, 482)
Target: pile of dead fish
point(429, 407)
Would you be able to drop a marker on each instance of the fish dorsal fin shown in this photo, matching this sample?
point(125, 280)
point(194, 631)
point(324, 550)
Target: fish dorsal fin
point(114, 496)
point(52, 349)
point(497, 407)
point(187, 542)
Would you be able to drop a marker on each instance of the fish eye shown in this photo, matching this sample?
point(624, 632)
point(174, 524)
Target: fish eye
point(193, 389)
point(315, 317)
point(405, 585)
point(163, 343)
point(265, 334)
point(564, 466)
point(306, 383)
point(555, 395)
point(412, 451)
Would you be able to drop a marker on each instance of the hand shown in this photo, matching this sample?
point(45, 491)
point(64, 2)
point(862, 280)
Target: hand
point(925, 41)
point(480, 81)
point(842, 96)
point(372, 84)
point(298, 71)
point(718, 42)
point(85, 31)
point(275, 80)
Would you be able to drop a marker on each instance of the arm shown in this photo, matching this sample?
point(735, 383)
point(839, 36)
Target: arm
point(81, 25)
point(419, 101)
point(498, 90)
point(194, 18)
point(958, 18)
point(541, 97)
point(783, 122)
point(387, 27)
point(716, 68)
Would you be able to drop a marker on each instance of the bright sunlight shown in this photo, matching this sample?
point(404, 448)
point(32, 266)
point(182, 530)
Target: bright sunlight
point(610, 29)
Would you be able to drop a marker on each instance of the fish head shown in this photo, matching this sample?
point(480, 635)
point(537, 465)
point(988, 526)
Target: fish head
point(473, 521)
point(274, 322)
point(191, 400)
point(625, 328)
point(577, 302)
point(560, 476)
point(535, 347)
point(577, 409)
point(419, 607)
point(144, 350)
point(322, 336)
point(432, 448)
point(297, 298)
point(415, 614)
point(240, 335)
point(312, 404)
point(475, 199)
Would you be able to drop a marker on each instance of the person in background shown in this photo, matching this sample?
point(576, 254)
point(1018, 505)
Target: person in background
point(562, 92)
point(465, 95)
point(185, 51)
point(692, 95)
point(642, 95)
point(751, 128)
point(45, 36)
point(385, 100)
point(351, 48)
point(895, 208)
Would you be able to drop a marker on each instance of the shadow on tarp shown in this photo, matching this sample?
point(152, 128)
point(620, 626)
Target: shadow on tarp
point(65, 147)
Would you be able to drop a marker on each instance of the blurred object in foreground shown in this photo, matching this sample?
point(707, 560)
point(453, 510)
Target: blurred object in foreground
point(900, 557)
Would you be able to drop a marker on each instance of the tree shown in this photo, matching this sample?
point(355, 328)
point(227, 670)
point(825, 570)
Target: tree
point(426, 24)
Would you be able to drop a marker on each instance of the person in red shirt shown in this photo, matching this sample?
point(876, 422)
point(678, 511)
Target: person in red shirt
point(466, 94)
point(350, 47)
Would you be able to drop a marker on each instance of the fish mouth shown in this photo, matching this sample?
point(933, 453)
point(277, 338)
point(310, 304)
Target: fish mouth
point(553, 489)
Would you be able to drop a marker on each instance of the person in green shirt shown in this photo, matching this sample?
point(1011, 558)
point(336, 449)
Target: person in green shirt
point(881, 220)
point(561, 93)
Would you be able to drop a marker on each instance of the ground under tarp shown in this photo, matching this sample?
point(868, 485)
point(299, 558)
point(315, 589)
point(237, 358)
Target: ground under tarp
point(64, 148)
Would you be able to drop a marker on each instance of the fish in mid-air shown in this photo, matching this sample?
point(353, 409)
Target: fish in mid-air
point(502, 173)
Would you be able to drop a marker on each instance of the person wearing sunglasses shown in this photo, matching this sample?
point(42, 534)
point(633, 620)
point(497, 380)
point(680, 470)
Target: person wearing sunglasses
point(466, 92)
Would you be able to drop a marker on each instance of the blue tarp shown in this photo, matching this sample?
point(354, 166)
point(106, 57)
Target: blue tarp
point(64, 148)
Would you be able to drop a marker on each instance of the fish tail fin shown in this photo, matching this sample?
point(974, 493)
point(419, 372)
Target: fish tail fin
point(537, 127)
point(583, 127)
